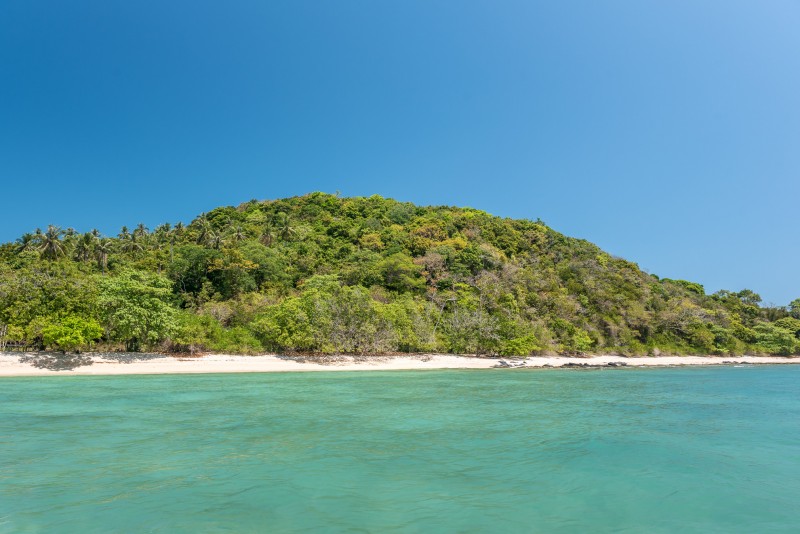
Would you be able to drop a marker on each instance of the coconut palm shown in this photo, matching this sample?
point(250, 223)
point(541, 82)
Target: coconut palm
point(163, 230)
point(215, 240)
point(84, 246)
point(131, 246)
point(51, 246)
point(267, 235)
point(161, 236)
point(284, 226)
point(141, 231)
point(237, 233)
point(26, 242)
point(205, 230)
point(101, 251)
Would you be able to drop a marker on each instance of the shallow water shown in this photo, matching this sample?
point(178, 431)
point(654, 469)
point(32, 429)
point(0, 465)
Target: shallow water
point(635, 450)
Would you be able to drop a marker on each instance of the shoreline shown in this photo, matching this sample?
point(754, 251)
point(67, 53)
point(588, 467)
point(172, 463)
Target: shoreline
point(45, 364)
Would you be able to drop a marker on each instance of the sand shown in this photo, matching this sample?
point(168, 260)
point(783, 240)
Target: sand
point(16, 364)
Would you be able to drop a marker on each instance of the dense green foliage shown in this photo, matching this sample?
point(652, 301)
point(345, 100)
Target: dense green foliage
point(324, 274)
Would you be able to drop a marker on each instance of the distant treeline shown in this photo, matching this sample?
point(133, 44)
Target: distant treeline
point(323, 274)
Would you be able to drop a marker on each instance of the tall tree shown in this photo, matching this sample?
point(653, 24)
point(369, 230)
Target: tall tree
point(237, 233)
point(205, 231)
point(267, 235)
point(284, 226)
point(84, 247)
point(136, 308)
point(51, 246)
point(26, 242)
point(101, 251)
point(132, 246)
point(141, 231)
point(215, 240)
point(794, 308)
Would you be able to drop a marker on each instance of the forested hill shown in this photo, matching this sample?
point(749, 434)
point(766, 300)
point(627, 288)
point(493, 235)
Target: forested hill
point(323, 274)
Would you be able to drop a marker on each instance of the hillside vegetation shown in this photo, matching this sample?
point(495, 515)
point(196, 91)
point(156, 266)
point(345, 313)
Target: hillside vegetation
point(323, 274)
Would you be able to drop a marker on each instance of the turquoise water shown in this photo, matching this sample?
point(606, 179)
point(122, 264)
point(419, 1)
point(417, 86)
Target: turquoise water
point(657, 450)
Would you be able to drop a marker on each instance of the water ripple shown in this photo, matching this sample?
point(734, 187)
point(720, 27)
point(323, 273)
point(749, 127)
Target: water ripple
point(705, 450)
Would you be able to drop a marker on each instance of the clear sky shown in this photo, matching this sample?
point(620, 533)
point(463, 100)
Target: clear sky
point(666, 132)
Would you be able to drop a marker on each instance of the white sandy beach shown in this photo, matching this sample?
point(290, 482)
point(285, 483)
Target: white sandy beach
point(16, 364)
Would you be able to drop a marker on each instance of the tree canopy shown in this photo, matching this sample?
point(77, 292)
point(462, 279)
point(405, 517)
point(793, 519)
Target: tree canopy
point(323, 274)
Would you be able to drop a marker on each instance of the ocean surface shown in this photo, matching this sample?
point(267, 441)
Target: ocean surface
point(631, 450)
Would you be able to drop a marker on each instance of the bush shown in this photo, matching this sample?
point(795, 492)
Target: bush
point(237, 340)
point(773, 339)
point(520, 346)
point(191, 333)
point(71, 333)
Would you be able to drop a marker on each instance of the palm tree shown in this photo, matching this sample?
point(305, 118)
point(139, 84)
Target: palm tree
point(131, 246)
point(140, 237)
point(51, 246)
point(26, 242)
point(124, 233)
point(267, 235)
point(141, 231)
point(84, 247)
point(205, 230)
point(284, 226)
point(238, 233)
point(215, 240)
point(162, 231)
point(101, 251)
point(160, 236)
point(172, 238)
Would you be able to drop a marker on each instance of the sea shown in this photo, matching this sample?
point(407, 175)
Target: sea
point(701, 449)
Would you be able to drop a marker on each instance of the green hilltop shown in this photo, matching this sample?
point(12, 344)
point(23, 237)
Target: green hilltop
point(324, 274)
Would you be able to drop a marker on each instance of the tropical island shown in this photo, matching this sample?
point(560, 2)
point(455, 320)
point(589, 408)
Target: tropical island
point(321, 275)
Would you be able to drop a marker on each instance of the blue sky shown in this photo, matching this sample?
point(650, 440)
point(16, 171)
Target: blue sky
point(666, 132)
